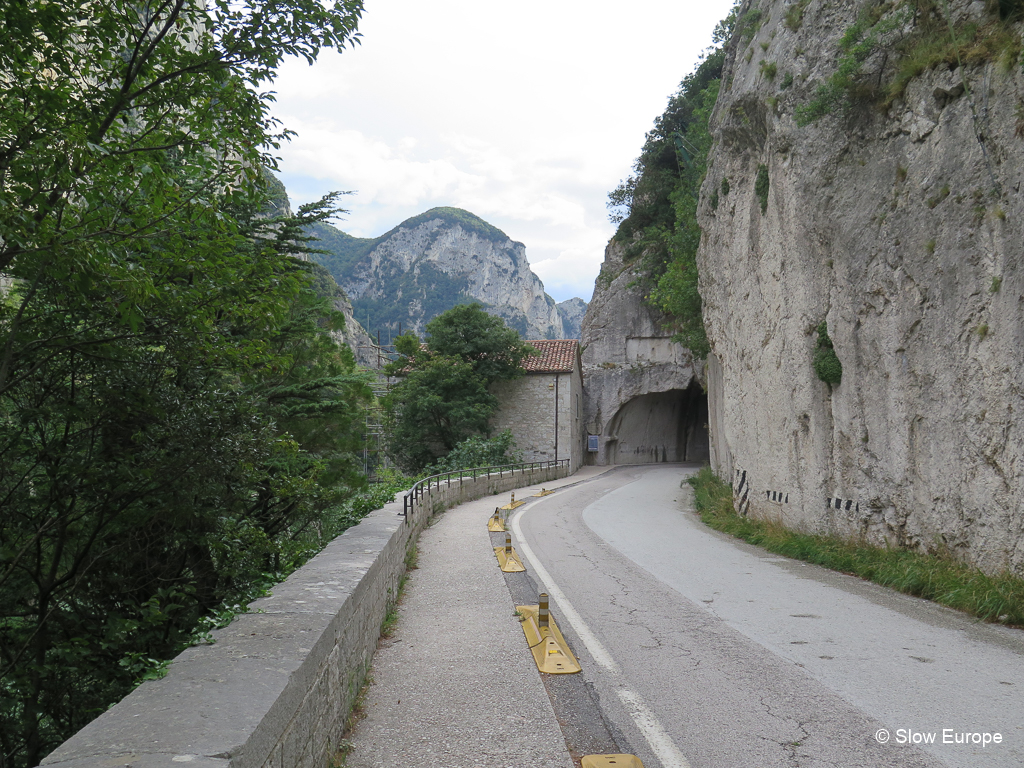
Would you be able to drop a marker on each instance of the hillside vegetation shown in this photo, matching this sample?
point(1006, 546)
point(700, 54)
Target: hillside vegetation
point(177, 425)
point(656, 207)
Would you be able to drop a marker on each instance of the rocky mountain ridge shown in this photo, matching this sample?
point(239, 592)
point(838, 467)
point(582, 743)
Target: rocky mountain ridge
point(436, 260)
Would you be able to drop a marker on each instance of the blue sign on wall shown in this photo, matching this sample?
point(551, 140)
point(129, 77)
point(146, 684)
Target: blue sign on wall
point(592, 443)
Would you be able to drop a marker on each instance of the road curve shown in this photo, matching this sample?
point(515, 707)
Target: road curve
point(704, 651)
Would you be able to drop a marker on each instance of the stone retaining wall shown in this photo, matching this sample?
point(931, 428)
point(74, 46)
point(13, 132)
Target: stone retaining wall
point(275, 689)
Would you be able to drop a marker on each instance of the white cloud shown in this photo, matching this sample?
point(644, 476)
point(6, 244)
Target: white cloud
point(526, 114)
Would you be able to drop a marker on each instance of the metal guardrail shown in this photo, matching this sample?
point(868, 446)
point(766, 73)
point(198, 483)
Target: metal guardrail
point(414, 494)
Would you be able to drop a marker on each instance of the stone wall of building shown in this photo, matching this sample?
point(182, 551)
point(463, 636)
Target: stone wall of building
point(528, 408)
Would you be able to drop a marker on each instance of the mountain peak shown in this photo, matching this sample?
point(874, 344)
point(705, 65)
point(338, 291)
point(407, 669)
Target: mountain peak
point(469, 222)
point(431, 262)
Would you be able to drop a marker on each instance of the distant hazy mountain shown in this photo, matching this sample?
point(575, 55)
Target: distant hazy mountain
point(436, 260)
point(572, 312)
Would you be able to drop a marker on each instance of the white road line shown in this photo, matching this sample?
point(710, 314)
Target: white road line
point(653, 731)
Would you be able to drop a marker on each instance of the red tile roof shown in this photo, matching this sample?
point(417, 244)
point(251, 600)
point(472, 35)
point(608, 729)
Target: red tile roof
point(556, 356)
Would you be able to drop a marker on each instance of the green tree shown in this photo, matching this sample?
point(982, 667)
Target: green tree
point(467, 331)
point(316, 397)
point(162, 368)
point(437, 404)
point(443, 398)
point(656, 207)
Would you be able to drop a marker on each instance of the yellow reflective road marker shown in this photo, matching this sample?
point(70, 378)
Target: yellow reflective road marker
point(495, 524)
point(507, 557)
point(618, 761)
point(550, 651)
point(513, 504)
point(544, 492)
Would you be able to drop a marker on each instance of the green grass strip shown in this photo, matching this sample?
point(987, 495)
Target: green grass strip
point(934, 577)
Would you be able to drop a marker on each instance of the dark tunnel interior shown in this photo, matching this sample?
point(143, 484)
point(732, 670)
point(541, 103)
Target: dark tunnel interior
point(661, 427)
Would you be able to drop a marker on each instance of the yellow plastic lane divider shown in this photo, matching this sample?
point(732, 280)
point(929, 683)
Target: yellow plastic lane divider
point(605, 761)
point(550, 651)
point(513, 504)
point(544, 492)
point(496, 524)
point(507, 557)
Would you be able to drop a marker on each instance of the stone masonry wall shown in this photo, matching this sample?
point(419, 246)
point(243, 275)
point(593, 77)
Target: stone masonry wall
point(528, 410)
point(275, 689)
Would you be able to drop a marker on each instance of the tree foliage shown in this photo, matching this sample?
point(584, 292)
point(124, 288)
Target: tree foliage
point(174, 418)
point(827, 365)
point(466, 331)
point(479, 451)
point(443, 398)
point(656, 207)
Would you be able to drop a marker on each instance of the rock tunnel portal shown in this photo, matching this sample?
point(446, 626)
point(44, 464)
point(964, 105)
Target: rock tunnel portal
point(660, 426)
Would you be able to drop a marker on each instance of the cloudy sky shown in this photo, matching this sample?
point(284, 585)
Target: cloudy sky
point(526, 114)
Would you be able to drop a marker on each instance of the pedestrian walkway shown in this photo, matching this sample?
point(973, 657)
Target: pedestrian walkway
point(455, 685)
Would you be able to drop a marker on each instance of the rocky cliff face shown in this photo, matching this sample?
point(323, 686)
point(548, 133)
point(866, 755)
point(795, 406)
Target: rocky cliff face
point(901, 230)
point(435, 260)
point(572, 312)
point(642, 395)
point(353, 335)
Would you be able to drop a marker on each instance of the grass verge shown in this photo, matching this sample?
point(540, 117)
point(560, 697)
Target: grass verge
point(939, 578)
point(387, 626)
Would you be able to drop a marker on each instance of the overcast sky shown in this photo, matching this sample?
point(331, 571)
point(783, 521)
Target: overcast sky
point(526, 114)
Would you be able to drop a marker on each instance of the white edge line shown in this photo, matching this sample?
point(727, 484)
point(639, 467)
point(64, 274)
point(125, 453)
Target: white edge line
point(653, 731)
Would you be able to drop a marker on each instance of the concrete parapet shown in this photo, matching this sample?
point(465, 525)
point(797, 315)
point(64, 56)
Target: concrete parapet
point(275, 689)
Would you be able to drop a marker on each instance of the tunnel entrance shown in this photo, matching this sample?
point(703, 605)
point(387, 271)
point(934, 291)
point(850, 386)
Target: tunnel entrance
point(661, 426)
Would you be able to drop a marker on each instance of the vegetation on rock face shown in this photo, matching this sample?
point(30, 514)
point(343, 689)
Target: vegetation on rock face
point(656, 207)
point(920, 35)
point(442, 398)
point(405, 296)
point(761, 186)
point(794, 17)
point(826, 362)
point(175, 422)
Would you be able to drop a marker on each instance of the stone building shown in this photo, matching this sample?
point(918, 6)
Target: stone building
point(544, 408)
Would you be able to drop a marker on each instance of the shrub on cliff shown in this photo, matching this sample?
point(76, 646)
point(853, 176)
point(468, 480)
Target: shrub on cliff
point(826, 361)
point(656, 207)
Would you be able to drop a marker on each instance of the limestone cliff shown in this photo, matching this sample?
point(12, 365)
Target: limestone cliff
point(643, 398)
point(572, 312)
point(900, 228)
point(433, 261)
point(353, 334)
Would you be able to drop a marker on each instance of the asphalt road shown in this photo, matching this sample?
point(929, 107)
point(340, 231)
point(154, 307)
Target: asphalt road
point(699, 650)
